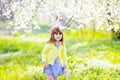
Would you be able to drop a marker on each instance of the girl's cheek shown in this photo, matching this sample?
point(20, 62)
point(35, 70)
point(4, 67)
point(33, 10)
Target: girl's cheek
point(55, 36)
point(60, 36)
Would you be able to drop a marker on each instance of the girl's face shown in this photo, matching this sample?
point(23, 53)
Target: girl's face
point(58, 36)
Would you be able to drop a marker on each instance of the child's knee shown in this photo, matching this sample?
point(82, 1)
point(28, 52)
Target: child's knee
point(50, 77)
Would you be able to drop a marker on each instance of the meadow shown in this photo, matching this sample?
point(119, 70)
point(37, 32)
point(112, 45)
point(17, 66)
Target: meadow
point(90, 57)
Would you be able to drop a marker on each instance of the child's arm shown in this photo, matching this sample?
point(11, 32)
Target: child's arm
point(64, 55)
point(65, 62)
point(44, 60)
point(44, 55)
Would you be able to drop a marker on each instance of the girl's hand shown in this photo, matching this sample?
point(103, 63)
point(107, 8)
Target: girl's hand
point(66, 69)
point(65, 66)
point(46, 65)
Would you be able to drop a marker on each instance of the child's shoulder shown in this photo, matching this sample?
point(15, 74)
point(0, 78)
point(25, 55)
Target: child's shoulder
point(48, 44)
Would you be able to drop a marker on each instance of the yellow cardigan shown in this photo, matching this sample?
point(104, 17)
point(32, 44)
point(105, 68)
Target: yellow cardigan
point(50, 52)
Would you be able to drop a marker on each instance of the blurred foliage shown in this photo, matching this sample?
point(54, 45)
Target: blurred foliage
point(89, 58)
point(31, 15)
point(92, 33)
point(13, 45)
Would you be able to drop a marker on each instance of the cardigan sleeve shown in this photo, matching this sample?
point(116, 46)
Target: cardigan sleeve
point(64, 55)
point(44, 53)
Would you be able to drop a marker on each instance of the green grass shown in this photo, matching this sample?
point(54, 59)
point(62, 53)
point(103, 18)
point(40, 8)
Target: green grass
point(89, 58)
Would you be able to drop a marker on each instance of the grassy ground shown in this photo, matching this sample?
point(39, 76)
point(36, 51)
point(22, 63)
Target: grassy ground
point(89, 58)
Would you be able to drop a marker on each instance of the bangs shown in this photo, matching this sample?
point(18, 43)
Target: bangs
point(57, 32)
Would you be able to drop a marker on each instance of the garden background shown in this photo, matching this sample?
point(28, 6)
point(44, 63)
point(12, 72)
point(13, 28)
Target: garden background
point(91, 32)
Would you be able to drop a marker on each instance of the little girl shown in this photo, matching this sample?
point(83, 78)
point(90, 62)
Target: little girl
point(54, 55)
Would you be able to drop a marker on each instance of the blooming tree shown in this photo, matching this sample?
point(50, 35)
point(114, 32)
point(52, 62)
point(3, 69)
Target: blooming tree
point(102, 14)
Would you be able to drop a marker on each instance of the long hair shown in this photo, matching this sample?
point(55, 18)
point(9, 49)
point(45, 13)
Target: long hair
point(56, 30)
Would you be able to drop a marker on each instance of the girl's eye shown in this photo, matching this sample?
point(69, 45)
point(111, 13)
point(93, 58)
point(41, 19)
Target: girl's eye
point(60, 33)
point(56, 33)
